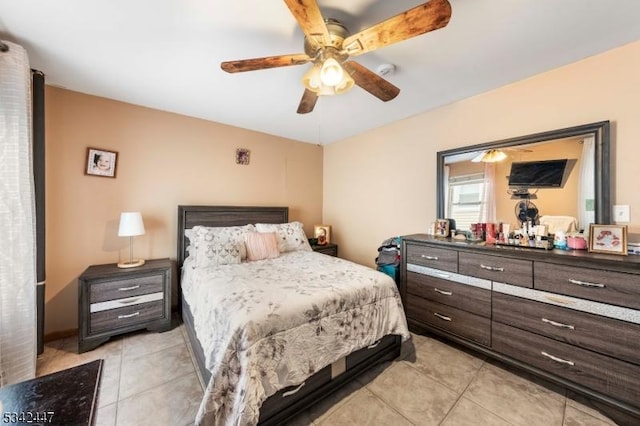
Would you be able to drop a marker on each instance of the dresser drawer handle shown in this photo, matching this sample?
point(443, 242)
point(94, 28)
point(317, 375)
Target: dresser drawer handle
point(293, 391)
point(492, 268)
point(556, 359)
point(442, 317)
point(586, 284)
point(446, 293)
point(135, 314)
point(373, 345)
point(558, 324)
point(128, 301)
point(443, 275)
point(424, 256)
point(133, 287)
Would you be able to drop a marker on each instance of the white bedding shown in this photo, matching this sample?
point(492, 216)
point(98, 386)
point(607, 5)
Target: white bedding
point(269, 324)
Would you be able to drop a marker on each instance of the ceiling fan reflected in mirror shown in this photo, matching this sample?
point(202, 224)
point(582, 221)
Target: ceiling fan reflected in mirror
point(329, 47)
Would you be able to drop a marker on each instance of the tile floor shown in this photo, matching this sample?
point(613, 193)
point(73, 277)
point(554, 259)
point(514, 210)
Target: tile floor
point(149, 379)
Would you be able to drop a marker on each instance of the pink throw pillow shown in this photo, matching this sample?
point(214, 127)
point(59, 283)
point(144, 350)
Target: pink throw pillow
point(261, 245)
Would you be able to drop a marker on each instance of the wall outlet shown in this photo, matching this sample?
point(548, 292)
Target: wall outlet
point(621, 214)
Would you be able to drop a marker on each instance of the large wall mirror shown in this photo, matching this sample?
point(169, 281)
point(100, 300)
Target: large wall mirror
point(474, 181)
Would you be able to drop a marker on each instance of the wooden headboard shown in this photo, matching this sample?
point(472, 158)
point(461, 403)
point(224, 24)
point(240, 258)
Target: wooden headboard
point(190, 216)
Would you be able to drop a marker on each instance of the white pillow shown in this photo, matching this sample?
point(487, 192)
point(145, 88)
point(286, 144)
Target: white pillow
point(213, 245)
point(291, 236)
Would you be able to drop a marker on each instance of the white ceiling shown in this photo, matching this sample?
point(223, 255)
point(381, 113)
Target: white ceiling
point(166, 54)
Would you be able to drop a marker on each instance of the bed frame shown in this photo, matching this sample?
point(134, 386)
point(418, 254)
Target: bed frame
point(290, 401)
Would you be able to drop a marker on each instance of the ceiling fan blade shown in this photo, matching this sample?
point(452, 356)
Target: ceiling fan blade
point(371, 82)
point(310, 19)
point(413, 22)
point(264, 63)
point(308, 102)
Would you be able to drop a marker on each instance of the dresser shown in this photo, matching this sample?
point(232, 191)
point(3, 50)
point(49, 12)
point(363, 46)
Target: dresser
point(572, 317)
point(113, 301)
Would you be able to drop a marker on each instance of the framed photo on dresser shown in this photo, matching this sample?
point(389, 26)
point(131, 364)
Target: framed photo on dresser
point(610, 239)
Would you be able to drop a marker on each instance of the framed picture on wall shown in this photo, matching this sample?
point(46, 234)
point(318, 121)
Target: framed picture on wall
point(101, 162)
point(323, 234)
point(610, 239)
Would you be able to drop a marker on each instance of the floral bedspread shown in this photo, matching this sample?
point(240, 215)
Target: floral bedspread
point(269, 324)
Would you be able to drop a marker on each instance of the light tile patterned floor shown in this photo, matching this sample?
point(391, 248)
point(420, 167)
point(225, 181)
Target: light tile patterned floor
point(149, 379)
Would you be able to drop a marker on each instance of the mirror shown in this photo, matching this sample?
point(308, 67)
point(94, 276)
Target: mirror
point(473, 181)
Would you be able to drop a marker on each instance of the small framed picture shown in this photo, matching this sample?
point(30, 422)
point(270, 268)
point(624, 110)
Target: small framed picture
point(322, 233)
point(242, 156)
point(611, 239)
point(442, 228)
point(101, 162)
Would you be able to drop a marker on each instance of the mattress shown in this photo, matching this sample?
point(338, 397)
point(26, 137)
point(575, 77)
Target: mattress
point(269, 324)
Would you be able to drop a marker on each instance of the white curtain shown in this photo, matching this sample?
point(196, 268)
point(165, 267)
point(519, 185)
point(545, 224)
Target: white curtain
point(447, 201)
point(586, 189)
point(488, 212)
point(17, 221)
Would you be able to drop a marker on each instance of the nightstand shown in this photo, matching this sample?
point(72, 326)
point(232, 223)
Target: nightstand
point(329, 249)
point(113, 301)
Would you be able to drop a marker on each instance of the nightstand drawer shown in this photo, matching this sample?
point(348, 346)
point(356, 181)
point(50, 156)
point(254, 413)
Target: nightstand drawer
point(114, 319)
point(109, 290)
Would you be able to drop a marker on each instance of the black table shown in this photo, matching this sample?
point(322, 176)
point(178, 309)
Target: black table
point(66, 398)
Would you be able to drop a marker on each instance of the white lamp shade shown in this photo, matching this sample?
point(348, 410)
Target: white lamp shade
point(130, 224)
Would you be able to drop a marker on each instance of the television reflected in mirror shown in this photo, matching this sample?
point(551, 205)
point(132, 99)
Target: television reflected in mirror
point(565, 172)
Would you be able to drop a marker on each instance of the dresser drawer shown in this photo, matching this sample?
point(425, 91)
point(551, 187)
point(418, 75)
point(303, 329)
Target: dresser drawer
point(135, 286)
point(615, 288)
point(505, 270)
point(433, 257)
point(450, 319)
point(465, 297)
point(603, 374)
point(114, 319)
point(604, 335)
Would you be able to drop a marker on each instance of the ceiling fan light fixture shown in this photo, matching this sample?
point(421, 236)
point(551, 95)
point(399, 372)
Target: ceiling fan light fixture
point(331, 73)
point(489, 156)
point(311, 79)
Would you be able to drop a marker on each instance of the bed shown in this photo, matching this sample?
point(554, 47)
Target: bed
point(270, 375)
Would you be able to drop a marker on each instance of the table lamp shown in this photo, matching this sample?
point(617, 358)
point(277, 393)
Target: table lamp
point(131, 225)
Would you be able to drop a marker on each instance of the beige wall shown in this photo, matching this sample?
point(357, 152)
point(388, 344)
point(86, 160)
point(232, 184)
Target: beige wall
point(164, 160)
point(383, 182)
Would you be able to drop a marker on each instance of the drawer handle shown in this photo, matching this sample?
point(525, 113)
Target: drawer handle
point(443, 275)
point(442, 317)
point(586, 284)
point(556, 359)
point(492, 268)
point(293, 391)
point(135, 314)
point(373, 345)
point(558, 324)
point(424, 256)
point(128, 301)
point(133, 287)
point(446, 293)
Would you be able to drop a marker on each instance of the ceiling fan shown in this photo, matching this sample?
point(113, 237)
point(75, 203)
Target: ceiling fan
point(330, 47)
